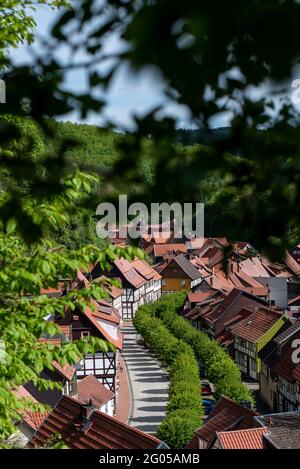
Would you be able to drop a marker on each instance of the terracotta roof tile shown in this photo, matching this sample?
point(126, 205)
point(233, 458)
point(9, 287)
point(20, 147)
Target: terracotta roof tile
point(144, 269)
point(284, 365)
point(67, 371)
point(115, 292)
point(256, 325)
point(199, 296)
point(100, 324)
point(90, 388)
point(99, 431)
point(129, 273)
point(161, 250)
point(34, 418)
point(251, 438)
point(227, 415)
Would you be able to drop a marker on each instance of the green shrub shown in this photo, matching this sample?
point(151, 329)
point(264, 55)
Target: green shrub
point(185, 384)
point(221, 370)
point(178, 428)
point(184, 367)
point(184, 395)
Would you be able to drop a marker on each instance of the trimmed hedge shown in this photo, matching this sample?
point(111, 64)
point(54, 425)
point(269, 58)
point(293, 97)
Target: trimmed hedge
point(178, 428)
point(221, 370)
point(184, 408)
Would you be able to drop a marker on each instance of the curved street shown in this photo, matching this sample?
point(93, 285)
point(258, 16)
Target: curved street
point(148, 383)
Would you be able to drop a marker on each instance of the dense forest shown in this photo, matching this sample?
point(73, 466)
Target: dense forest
point(98, 151)
point(101, 152)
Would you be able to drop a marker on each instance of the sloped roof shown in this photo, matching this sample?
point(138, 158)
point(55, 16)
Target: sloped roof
point(102, 329)
point(227, 415)
point(163, 249)
point(115, 292)
point(283, 429)
point(186, 266)
point(129, 273)
point(82, 279)
point(251, 438)
point(99, 431)
point(67, 371)
point(292, 263)
point(34, 418)
point(198, 297)
point(287, 332)
point(195, 243)
point(281, 363)
point(256, 325)
point(144, 269)
point(162, 237)
point(253, 267)
point(90, 388)
point(284, 365)
point(106, 311)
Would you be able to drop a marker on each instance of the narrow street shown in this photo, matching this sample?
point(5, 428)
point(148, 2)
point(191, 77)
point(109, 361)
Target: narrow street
point(148, 383)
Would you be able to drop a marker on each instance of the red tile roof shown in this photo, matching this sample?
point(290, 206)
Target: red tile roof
point(66, 330)
point(117, 341)
point(284, 365)
point(82, 279)
point(199, 296)
point(105, 310)
point(251, 438)
point(115, 292)
point(161, 250)
point(143, 268)
point(292, 264)
point(129, 273)
point(67, 371)
point(22, 392)
point(227, 415)
point(90, 388)
point(256, 325)
point(99, 431)
point(162, 237)
point(50, 291)
point(34, 418)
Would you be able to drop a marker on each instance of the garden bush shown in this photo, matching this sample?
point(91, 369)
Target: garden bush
point(184, 408)
point(221, 370)
point(178, 427)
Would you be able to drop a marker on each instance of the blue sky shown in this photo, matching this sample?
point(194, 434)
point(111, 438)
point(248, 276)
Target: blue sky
point(127, 95)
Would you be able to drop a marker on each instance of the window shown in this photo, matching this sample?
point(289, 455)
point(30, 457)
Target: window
point(164, 282)
point(183, 283)
point(85, 334)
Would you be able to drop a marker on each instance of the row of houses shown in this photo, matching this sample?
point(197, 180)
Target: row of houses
point(234, 426)
point(91, 389)
point(248, 303)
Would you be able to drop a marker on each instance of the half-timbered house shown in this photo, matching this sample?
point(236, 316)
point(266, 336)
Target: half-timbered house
point(102, 321)
point(140, 283)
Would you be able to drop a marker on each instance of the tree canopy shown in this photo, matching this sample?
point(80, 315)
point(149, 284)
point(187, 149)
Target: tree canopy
point(214, 57)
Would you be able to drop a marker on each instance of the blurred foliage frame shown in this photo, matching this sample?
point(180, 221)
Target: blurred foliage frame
point(195, 47)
